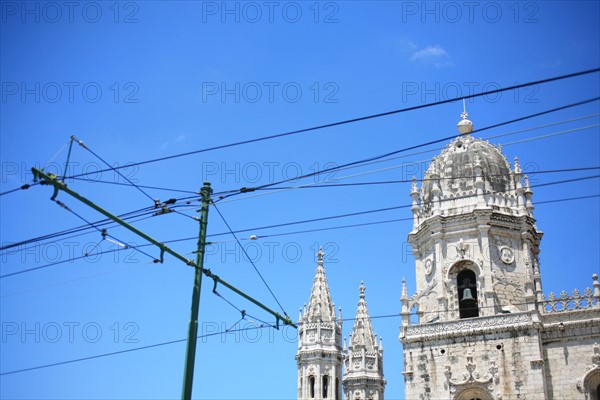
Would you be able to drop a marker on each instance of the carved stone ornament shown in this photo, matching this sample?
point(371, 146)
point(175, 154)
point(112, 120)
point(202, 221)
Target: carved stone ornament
point(462, 248)
point(506, 255)
point(591, 370)
point(472, 378)
point(428, 266)
point(495, 323)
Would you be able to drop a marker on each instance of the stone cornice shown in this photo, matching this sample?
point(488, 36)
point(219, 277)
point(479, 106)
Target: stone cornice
point(574, 325)
point(363, 379)
point(468, 327)
point(474, 218)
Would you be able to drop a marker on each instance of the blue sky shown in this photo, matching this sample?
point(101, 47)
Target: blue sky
point(143, 80)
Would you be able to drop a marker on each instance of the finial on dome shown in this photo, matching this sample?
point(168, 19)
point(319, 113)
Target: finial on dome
point(465, 126)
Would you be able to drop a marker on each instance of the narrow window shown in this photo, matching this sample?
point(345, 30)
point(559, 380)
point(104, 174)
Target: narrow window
point(325, 385)
point(337, 388)
point(311, 386)
point(467, 294)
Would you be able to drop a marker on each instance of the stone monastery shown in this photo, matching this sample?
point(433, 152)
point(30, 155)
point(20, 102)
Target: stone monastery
point(485, 330)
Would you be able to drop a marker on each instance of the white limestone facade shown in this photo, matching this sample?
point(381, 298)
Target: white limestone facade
point(484, 329)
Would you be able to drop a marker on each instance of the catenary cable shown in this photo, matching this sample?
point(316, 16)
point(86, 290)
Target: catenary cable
point(368, 117)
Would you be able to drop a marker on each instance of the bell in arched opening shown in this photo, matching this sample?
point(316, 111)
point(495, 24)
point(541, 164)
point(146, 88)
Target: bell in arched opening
point(467, 291)
point(467, 296)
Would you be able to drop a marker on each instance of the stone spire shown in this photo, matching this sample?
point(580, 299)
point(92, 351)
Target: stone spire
point(363, 359)
point(362, 333)
point(320, 306)
point(319, 356)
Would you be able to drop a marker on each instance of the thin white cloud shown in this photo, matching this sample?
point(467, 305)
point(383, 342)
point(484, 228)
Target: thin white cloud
point(428, 53)
point(434, 55)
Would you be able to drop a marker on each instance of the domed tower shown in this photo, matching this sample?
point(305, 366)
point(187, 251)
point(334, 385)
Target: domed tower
point(319, 356)
point(363, 359)
point(476, 245)
point(474, 237)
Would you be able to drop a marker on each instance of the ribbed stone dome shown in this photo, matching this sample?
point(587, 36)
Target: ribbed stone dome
point(455, 169)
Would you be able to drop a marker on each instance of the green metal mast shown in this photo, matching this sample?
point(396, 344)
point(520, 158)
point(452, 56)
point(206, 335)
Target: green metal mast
point(190, 354)
point(52, 180)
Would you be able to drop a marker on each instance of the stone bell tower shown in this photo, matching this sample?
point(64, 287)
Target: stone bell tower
point(474, 238)
point(484, 329)
point(319, 356)
point(476, 245)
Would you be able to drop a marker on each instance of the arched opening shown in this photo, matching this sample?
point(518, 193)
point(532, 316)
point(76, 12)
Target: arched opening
point(466, 282)
point(591, 385)
point(325, 386)
point(311, 386)
point(473, 394)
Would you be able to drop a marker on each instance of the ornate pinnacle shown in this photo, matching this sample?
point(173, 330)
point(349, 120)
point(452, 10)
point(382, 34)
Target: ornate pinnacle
point(320, 255)
point(404, 295)
point(517, 165)
point(362, 289)
point(414, 188)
